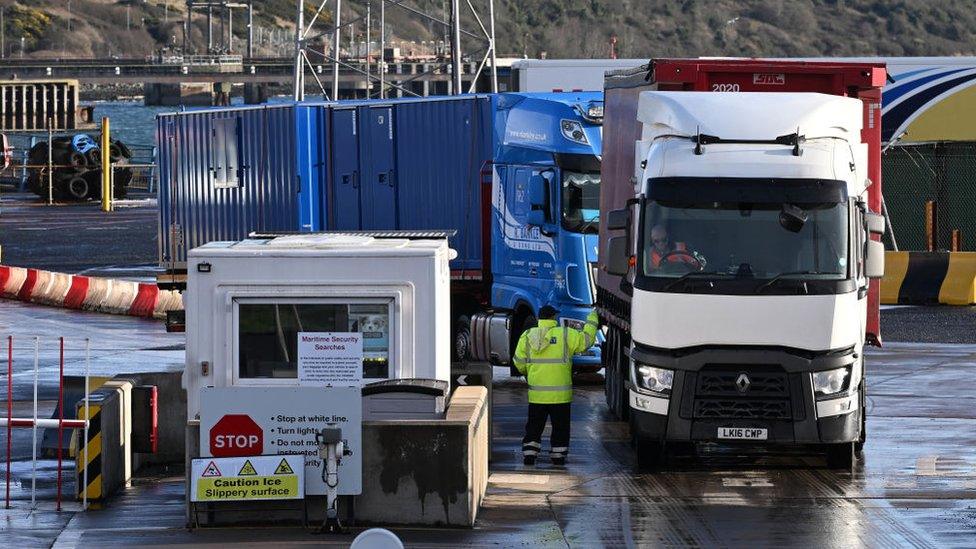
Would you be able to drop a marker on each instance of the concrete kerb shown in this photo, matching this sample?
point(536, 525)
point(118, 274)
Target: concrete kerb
point(103, 295)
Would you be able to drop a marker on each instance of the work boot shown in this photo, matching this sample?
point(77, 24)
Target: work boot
point(528, 460)
point(559, 461)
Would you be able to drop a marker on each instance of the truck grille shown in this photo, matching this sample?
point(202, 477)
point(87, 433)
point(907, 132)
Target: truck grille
point(723, 383)
point(717, 408)
point(736, 391)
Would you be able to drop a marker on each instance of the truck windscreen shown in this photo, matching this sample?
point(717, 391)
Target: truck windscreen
point(746, 236)
point(581, 201)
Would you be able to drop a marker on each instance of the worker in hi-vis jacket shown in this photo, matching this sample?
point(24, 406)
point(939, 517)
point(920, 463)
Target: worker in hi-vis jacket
point(544, 354)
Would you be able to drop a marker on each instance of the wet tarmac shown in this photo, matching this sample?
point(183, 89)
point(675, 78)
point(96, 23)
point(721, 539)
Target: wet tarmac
point(79, 237)
point(916, 486)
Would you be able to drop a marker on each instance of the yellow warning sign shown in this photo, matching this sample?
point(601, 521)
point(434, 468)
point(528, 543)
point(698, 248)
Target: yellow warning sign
point(247, 470)
point(257, 478)
point(284, 469)
point(211, 470)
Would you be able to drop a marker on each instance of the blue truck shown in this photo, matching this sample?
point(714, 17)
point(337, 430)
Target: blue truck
point(517, 175)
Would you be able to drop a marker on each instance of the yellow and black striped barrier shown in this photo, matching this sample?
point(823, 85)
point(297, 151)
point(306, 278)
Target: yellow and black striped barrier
point(103, 470)
point(88, 458)
point(929, 278)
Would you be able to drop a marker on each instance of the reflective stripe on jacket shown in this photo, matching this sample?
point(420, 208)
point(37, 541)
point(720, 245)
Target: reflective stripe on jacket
point(544, 354)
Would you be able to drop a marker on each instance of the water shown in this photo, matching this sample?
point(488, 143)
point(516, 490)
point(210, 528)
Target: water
point(135, 124)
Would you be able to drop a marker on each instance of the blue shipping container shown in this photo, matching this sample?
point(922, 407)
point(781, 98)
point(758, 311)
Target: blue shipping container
point(401, 164)
point(224, 173)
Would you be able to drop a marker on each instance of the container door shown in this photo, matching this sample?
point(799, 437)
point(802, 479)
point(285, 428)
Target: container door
point(345, 171)
point(379, 189)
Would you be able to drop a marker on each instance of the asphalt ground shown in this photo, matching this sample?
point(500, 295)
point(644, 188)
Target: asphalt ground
point(916, 486)
point(79, 237)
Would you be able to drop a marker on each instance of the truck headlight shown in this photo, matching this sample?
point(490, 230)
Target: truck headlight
point(654, 379)
point(573, 131)
point(829, 382)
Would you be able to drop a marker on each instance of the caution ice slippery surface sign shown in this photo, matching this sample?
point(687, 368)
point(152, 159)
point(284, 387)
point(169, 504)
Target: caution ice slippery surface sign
point(248, 478)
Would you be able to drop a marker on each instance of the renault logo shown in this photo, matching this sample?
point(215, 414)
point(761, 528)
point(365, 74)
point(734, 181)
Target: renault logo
point(742, 383)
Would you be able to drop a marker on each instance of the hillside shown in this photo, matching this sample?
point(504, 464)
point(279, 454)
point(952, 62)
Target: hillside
point(559, 28)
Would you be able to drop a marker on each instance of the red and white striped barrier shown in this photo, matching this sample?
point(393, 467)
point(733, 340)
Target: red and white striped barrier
point(104, 295)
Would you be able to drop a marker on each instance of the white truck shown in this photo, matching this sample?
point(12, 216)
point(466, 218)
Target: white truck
point(736, 260)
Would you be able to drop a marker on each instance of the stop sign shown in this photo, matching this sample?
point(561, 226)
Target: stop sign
point(236, 435)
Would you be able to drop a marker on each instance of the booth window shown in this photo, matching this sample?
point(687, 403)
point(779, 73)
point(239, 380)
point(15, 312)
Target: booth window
point(268, 335)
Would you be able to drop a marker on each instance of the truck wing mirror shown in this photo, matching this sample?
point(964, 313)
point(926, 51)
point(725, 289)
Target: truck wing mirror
point(876, 223)
point(874, 260)
point(537, 191)
point(618, 262)
point(618, 220)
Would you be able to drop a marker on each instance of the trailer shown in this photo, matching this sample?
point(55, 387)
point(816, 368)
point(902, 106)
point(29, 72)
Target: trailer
point(686, 343)
point(515, 175)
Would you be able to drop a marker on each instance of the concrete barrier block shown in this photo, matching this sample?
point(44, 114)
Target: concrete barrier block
point(54, 290)
point(896, 266)
point(97, 291)
point(427, 472)
point(959, 286)
point(13, 278)
point(928, 278)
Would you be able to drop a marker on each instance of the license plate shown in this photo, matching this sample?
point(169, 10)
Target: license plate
point(742, 433)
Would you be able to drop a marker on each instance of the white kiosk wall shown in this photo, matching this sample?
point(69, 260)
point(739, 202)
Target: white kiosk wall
point(248, 301)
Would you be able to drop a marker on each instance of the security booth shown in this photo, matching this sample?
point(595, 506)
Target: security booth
point(284, 332)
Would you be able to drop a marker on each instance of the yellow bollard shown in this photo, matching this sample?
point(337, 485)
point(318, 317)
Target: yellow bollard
point(106, 167)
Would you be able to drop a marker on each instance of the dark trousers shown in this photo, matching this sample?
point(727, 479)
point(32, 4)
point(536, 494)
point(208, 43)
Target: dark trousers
point(559, 415)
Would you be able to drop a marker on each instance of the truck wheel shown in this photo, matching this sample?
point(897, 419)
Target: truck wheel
point(650, 454)
point(859, 445)
point(462, 339)
point(621, 367)
point(608, 370)
point(841, 456)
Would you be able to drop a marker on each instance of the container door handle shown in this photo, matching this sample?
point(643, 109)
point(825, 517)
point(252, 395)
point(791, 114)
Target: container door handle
point(355, 179)
point(389, 177)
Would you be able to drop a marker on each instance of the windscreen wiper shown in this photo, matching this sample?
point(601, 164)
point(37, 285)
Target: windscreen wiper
point(783, 276)
point(690, 275)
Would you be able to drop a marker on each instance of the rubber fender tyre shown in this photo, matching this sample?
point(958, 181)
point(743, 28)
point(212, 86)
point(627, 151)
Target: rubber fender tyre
point(94, 157)
point(77, 188)
point(114, 153)
point(124, 149)
point(77, 159)
point(840, 456)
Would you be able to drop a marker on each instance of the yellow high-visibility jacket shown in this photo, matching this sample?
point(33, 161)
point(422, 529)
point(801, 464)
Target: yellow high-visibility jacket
point(544, 354)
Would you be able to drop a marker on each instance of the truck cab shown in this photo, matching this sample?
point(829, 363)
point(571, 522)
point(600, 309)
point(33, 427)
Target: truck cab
point(546, 208)
point(747, 256)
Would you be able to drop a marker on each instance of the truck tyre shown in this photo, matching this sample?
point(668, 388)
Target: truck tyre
point(606, 357)
point(859, 445)
point(462, 339)
point(650, 454)
point(841, 456)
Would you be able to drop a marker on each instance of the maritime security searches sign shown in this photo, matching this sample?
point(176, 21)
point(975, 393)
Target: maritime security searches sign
point(247, 478)
point(286, 421)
